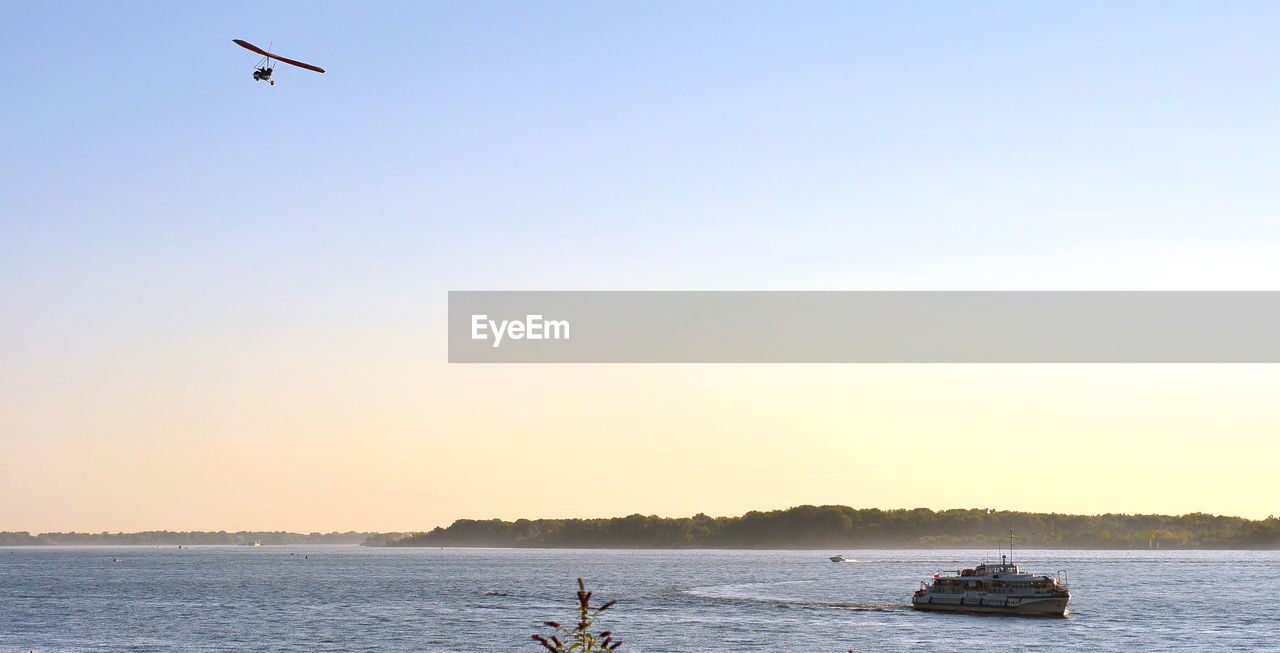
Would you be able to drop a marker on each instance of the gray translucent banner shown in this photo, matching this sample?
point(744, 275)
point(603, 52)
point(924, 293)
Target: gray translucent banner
point(864, 327)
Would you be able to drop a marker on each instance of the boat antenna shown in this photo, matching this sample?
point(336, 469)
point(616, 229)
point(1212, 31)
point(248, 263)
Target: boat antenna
point(1010, 546)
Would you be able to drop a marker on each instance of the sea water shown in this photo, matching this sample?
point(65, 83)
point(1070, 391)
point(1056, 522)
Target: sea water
point(316, 598)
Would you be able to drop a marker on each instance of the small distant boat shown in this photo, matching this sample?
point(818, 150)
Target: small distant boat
point(257, 543)
point(840, 558)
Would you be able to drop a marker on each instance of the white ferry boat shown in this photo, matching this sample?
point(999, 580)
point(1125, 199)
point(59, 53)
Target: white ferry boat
point(997, 588)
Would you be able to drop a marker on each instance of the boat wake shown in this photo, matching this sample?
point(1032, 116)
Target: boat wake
point(743, 594)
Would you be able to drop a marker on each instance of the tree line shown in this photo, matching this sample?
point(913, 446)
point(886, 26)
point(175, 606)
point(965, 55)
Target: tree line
point(843, 527)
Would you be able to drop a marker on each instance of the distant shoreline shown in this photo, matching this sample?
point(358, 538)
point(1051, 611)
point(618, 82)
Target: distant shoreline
point(823, 551)
point(802, 528)
point(182, 538)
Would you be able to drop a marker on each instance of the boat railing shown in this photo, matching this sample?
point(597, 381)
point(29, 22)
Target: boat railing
point(1062, 579)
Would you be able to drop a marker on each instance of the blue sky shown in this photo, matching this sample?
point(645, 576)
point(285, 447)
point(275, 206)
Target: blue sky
point(636, 145)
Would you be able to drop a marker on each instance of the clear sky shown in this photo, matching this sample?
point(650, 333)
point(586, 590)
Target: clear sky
point(222, 304)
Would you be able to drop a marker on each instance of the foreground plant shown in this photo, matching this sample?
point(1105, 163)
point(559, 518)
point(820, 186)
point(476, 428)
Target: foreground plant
point(580, 639)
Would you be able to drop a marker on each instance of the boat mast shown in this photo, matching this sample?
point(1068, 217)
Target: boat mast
point(1010, 546)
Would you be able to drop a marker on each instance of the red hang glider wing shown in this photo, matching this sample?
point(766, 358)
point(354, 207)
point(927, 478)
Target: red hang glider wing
point(253, 48)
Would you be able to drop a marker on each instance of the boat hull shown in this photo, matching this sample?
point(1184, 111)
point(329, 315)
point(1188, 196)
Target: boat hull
point(1044, 607)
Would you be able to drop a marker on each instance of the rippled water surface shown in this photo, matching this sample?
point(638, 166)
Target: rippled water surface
point(351, 598)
